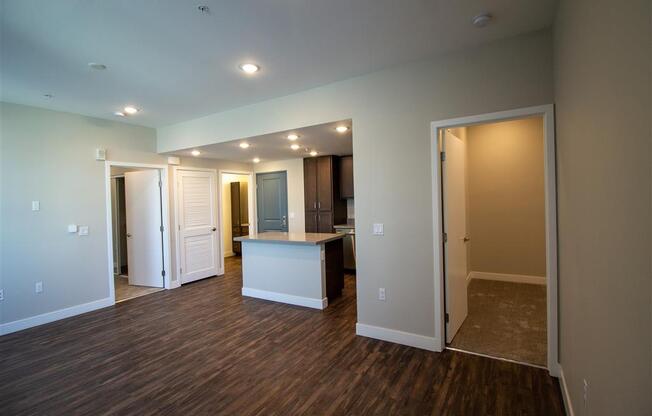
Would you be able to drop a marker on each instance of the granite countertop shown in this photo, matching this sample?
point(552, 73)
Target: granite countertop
point(311, 239)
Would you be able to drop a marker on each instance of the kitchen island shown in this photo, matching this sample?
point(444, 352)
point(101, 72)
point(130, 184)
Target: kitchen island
point(304, 269)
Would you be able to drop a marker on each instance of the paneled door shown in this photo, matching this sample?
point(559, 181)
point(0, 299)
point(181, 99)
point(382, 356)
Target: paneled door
point(272, 201)
point(197, 228)
point(454, 202)
point(144, 232)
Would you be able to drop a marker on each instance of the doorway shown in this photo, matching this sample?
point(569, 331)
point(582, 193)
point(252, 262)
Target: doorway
point(272, 201)
point(495, 229)
point(137, 225)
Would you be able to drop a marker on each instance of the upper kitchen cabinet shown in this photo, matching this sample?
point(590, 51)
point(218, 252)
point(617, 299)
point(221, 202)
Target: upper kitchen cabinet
point(346, 177)
point(323, 203)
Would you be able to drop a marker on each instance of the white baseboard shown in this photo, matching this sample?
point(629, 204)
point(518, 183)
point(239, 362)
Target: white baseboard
point(285, 298)
point(564, 393)
point(48, 317)
point(503, 277)
point(399, 337)
point(229, 254)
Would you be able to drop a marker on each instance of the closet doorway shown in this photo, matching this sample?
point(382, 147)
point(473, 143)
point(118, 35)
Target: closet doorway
point(237, 212)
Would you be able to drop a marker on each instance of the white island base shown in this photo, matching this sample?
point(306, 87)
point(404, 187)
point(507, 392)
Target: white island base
point(301, 269)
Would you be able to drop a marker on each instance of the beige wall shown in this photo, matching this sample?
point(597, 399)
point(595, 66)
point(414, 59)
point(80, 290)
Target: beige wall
point(296, 208)
point(227, 179)
point(392, 110)
point(506, 197)
point(602, 88)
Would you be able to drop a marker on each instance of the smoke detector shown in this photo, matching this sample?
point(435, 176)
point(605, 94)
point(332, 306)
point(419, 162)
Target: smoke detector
point(482, 20)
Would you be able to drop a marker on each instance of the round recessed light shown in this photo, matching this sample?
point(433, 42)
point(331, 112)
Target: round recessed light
point(482, 20)
point(96, 66)
point(293, 136)
point(119, 114)
point(249, 68)
point(341, 129)
point(195, 152)
point(130, 109)
point(244, 145)
point(313, 153)
point(295, 147)
point(256, 160)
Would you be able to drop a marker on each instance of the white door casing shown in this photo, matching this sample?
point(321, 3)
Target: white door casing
point(454, 186)
point(144, 233)
point(197, 226)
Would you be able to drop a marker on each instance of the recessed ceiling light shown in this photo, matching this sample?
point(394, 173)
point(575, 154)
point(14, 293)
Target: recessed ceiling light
point(256, 160)
point(244, 145)
point(96, 66)
point(482, 20)
point(313, 153)
point(130, 109)
point(293, 136)
point(341, 129)
point(195, 153)
point(249, 68)
point(119, 114)
point(295, 147)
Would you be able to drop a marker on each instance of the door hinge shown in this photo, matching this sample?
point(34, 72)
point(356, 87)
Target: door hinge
point(442, 156)
point(162, 228)
point(446, 317)
point(163, 273)
point(160, 184)
point(445, 236)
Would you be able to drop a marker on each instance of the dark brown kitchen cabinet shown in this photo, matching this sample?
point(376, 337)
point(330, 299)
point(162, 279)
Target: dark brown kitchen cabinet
point(346, 177)
point(323, 204)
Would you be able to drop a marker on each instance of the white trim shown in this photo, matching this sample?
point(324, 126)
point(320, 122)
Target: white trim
point(177, 245)
point(163, 169)
point(48, 317)
point(285, 298)
point(565, 394)
point(251, 201)
point(504, 277)
point(399, 337)
point(547, 112)
point(229, 254)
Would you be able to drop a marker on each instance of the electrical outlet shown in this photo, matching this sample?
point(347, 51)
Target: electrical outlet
point(381, 293)
point(38, 287)
point(2, 294)
point(586, 394)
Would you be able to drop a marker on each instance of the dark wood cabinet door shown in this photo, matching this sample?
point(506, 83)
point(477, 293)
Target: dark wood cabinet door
point(312, 223)
point(325, 183)
point(325, 222)
point(310, 183)
point(346, 177)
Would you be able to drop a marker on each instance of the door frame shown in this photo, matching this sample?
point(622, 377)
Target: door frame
point(547, 112)
point(163, 169)
point(251, 200)
point(177, 241)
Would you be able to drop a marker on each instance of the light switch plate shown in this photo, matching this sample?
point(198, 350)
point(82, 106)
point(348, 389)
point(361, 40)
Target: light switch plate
point(36, 205)
point(72, 228)
point(291, 215)
point(83, 230)
point(38, 287)
point(379, 229)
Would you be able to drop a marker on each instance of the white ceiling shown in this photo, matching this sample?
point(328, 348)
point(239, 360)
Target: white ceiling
point(322, 138)
point(177, 64)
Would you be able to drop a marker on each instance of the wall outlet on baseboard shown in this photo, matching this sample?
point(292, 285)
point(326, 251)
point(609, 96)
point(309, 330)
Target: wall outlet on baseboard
point(38, 287)
point(381, 293)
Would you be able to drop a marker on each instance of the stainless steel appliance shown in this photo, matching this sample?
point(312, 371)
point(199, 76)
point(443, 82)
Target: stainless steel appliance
point(349, 243)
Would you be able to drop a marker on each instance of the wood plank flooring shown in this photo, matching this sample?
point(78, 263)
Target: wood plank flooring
point(203, 349)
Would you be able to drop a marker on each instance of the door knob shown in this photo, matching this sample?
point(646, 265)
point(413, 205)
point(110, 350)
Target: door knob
point(465, 239)
point(128, 235)
point(214, 228)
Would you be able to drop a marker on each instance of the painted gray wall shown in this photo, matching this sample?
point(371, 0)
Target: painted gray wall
point(392, 111)
point(602, 90)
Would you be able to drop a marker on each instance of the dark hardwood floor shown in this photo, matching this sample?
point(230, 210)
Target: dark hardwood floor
point(203, 349)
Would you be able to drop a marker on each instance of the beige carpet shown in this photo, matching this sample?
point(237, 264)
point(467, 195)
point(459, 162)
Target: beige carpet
point(124, 291)
point(506, 320)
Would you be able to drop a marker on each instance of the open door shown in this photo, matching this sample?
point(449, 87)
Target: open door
point(144, 232)
point(198, 236)
point(454, 203)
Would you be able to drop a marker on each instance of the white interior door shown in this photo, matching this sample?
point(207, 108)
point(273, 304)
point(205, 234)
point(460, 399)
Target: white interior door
point(144, 235)
point(454, 183)
point(198, 234)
